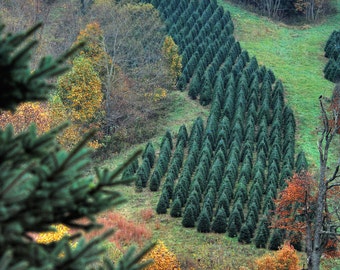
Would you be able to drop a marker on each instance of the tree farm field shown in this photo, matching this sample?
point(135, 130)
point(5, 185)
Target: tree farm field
point(296, 55)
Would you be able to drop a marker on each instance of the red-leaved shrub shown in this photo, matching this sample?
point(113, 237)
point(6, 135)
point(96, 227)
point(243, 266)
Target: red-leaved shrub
point(127, 232)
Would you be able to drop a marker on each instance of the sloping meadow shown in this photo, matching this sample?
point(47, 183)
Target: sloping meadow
point(222, 175)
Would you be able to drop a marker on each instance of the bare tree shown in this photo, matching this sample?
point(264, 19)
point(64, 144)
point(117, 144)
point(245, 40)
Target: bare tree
point(272, 7)
point(325, 225)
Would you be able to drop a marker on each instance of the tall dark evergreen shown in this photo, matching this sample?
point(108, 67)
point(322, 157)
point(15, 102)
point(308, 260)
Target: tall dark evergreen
point(276, 240)
point(155, 180)
point(245, 235)
point(203, 223)
point(262, 234)
point(40, 183)
point(188, 220)
point(149, 153)
point(176, 208)
point(194, 87)
point(162, 204)
point(232, 230)
point(219, 224)
point(301, 163)
point(130, 170)
point(206, 92)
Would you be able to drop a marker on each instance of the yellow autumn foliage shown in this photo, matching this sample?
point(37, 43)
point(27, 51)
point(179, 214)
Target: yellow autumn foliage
point(71, 135)
point(93, 36)
point(49, 237)
point(162, 258)
point(171, 53)
point(157, 95)
point(79, 101)
point(80, 91)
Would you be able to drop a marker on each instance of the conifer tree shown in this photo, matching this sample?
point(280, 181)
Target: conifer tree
point(276, 240)
point(262, 234)
point(162, 204)
point(149, 153)
point(245, 235)
point(40, 183)
point(232, 230)
point(155, 180)
point(176, 209)
point(223, 202)
point(188, 220)
point(220, 222)
point(203, 224)
point(235, 219)
point(130, 170)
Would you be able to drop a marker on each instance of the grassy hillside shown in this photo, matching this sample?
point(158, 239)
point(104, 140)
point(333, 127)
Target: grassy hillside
point(295, 54)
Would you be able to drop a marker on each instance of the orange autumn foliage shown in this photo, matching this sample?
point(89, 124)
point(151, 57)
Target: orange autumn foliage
point(25, 115)
point(284, 259)
point(162, 258)
point(295, 201)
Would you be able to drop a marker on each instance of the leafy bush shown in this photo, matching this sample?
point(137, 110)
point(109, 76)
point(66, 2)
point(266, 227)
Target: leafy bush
point(284, 259)
point(162, 258)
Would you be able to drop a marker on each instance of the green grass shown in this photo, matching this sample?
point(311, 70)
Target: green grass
point(295, 54)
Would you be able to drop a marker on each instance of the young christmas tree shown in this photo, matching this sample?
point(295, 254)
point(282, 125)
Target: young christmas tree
point(42, 185)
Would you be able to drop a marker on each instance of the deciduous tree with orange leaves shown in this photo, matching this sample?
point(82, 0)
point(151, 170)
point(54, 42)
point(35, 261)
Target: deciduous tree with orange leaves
point(284, 259)
point(296, 203)
point(311, 206)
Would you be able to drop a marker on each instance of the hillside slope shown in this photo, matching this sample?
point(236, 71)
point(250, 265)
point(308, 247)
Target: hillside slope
point(296, 55)
point(216, 251)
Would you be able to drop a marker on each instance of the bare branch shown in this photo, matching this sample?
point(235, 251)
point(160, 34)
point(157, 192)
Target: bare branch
point(335, 175)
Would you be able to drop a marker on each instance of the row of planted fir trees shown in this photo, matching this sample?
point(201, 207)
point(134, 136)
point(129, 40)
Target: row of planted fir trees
point(225, 174)
point(332, 52)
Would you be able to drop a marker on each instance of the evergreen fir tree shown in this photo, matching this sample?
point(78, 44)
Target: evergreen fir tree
point(203, 224)
point(232, 230)
point(206, 93)
point(276, 240)
point(149, 153)
point(220, 222)
point(262, 234)
point(162, 204)
point(138, 184)
point(244, 236)
point(41, 184)
point(296, 240)
point(194, 87)
point(223, 202)
point(155, 180)
point(130, 170)
point(176, 209)
point(301, 163)
point(188, 220)
point(236, 219)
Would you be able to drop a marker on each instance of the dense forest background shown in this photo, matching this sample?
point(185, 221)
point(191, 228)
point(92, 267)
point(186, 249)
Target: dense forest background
point(136, 78)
